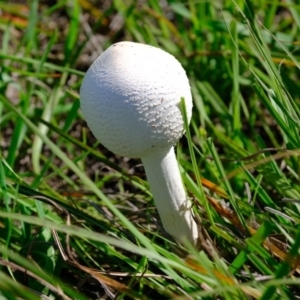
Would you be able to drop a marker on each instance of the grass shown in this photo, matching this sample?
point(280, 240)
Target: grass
point(77, 222)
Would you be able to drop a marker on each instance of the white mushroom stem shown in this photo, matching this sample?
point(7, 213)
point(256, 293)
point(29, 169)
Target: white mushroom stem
point(169, 195)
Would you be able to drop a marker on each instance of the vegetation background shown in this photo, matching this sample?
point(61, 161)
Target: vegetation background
point(77, 222)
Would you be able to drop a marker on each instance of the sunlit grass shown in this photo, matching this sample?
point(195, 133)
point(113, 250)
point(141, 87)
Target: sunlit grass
point(77, 222)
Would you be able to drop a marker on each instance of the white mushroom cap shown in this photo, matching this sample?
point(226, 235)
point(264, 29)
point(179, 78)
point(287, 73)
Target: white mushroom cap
point(130, 97)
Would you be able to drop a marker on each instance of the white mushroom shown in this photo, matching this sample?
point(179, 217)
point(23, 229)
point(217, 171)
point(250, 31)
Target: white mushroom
point(130, 98)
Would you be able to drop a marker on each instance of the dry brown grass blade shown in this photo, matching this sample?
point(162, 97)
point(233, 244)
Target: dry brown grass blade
point(120, 287)
point(225, 212)
point(285, 153)
point(193, 264)
point(268, 244)
point(16, 21)
point(93, 10)
point(169, 24)
point(284, 61)
point(214, 188)
point(221, 192)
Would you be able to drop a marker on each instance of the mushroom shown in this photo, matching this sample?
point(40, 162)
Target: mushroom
point(130, 98)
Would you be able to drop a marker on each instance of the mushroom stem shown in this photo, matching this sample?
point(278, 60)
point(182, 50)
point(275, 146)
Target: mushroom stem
point(169, 195)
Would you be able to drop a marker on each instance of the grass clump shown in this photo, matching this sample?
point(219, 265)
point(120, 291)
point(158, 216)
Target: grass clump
point(77, 222)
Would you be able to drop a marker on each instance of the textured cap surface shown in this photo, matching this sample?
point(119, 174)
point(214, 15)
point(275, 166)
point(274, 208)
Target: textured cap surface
point(130, 98)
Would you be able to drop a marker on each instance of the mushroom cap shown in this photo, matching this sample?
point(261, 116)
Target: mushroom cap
point(130, 98)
